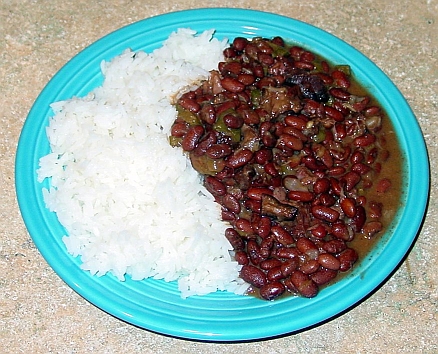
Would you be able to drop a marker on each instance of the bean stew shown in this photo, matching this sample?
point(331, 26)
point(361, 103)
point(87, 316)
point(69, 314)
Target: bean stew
point(302, 160)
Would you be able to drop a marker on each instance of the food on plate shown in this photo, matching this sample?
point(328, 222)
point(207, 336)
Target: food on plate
point(255, 167)
point(302, 160)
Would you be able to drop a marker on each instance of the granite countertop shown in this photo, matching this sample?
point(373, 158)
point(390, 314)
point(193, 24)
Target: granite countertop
point(39, 313)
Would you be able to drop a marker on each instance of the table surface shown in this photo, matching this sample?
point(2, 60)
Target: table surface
point(39, 313)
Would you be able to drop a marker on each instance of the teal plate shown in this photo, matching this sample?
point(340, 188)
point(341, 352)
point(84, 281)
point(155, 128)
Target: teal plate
point(156, 305)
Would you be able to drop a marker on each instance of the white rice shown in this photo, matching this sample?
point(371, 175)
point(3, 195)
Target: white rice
point(131, 204)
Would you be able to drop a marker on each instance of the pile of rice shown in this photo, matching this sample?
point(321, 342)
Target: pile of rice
point(132, 204)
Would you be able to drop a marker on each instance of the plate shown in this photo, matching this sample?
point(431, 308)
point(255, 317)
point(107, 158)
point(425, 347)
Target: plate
point(156, 305)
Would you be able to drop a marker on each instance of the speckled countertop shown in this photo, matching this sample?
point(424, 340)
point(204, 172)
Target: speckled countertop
point(39, 313)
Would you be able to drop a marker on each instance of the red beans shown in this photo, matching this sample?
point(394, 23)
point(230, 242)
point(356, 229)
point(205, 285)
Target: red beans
point(282, 236)
point(289, 153)
point(253, 275)
point(325, 213)
point(218, 151)
point(232, 85)
point(303, 284)
point(272, 290)
point(192, 137)
point(329, 261)
point(239, 158)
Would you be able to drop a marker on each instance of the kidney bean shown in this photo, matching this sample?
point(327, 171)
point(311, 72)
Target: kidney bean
point(327, 200)
point(351, 179)
point(334, 113)
point(288, 266)
point(249, 116)
point(282, 236)
point(208, 113)
point(266, 246)
point(357, 157)
point(253, 275)
point(347, 258)
point(323, 276)
point(246, 79)
point(309, 267)
point(335, 185)
point(307, 56)
point(231, 84)
point(321, 185)
point(307, 247)
point(340, 131)
point(318, 231)
point(234, 239)
point(218, 151)
point(372, 227)
point(304, 65)
point(372, 111)
point(239, 43)
point(360, 168)
point(340, 94)
point(268, 139)
point(325, 213)
point(371, 156)
point(334, 246)
point(253, 250)
point(233, 121)
point(265, 58)
point(364, 140)
point(244, 226)
point(204, 143)
point(253, 205)
point(192, 137)
point(239, 158)
point(295, 132)
point(231, 203)
point(214, 186)
point(179, 129)
point(336, 171)
point(229, 52)
point(359, 219)
point(341, 231)
point(290, 142)
point(339, 105)
point(348, 206)
point(287, 252)
point(298, 122)
point(303, 284)
point(271, 169)
point(241, 257)
point(270, 263)
point(274, 274)
point(263, 156)
point(311, 163)
point(232, 67)
point(189, 104)
point(227, 215)
point(300, 196)
point(264, 227)
point(341, 79)
point(258, 70)
point(224, 106)
point(361, 105)
point(257, 192)
point(272, 290)
point(329, 261)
